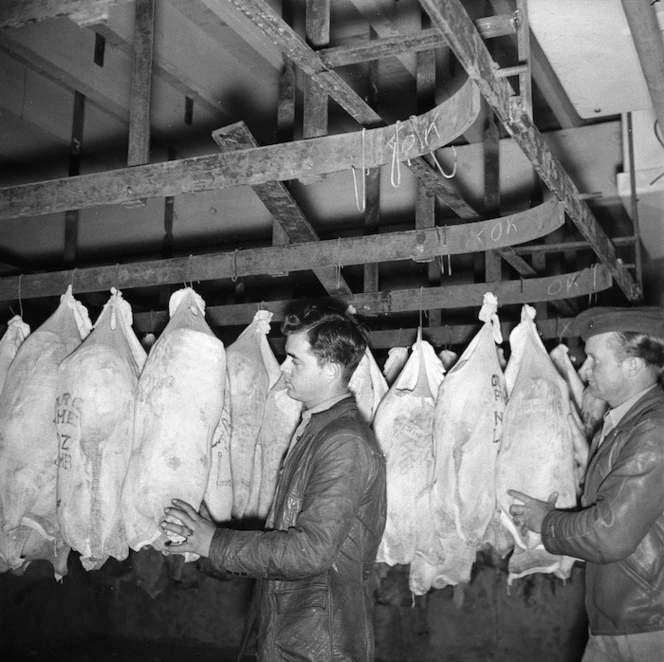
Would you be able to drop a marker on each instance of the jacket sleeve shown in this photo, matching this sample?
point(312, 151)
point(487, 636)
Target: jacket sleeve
point(341, 471)
point(629, 500)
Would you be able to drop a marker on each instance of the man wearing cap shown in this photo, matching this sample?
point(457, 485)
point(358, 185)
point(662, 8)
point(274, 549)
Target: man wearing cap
point(619, 527)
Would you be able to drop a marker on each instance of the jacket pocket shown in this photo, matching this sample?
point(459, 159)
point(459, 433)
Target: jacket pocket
point(303, 623)
point(305, 597)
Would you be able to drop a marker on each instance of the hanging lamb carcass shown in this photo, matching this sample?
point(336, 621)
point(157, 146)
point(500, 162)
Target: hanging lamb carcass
point(178, 407)
point(252, 371)
point(468, 423)
point(404, 427)
point(30, 452)
point(94, 417)
point(17, 331)
point(537, 451)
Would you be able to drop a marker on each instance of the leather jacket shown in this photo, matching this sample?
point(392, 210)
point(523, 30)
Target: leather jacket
point(619, 530)
point(315, 560)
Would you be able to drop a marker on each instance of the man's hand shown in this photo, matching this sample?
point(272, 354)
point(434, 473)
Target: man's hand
point(197, 530)
point(529, 514)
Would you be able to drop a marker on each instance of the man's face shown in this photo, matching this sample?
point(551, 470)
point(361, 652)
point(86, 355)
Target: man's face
point(605, 369)
point(306, 381)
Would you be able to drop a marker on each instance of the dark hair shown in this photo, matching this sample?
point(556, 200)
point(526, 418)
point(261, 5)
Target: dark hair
point(333, 336)
point(642, 345)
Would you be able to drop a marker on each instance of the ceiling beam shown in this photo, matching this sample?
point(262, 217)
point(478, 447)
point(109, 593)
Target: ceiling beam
point(340, 56)
point(281, 204)
point(371, 304)
point(299, 159)
point(451, 19)
point(418, 245)
point(297, 50)
point(15, 13)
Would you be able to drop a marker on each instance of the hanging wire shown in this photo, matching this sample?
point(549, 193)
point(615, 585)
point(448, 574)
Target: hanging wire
point(234, 276)
point(454, 168)
point(361, 202)
point(20, 300)
point(73, 274)
point(395, 170)
point(338, 267)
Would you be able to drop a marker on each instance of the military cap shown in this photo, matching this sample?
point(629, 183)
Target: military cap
point(602, 319)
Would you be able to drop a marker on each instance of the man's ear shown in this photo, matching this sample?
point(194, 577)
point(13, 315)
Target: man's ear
point(333, 371)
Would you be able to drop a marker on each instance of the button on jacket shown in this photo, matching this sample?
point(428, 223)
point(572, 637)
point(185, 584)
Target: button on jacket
point(314, 600)
point(620, 531)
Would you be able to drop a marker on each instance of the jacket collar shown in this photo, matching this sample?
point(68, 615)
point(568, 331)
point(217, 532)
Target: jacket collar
point(320, 419)
point(652, 396)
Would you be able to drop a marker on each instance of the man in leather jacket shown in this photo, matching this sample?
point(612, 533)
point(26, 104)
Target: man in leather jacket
point(314, 561)
point(619, 527)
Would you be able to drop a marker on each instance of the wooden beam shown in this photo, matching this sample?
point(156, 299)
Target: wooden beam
point(292, 45)
point(141, 84)
point(419, 245)
point(370, 304)
point(326, 154)
point(75, 149)
point(15, 13)
point(340, 56)
point(281, 204)
point(451, 19)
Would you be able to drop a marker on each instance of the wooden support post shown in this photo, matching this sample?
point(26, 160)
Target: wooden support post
point(492, 262)
point(167, 242)
point(371, 178)
point(317, 26)
point(425, 205)
point(523, 48)
point(141, 84)
point(75, 148)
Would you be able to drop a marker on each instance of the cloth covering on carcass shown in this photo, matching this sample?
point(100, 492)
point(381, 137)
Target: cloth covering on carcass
point(280, 419)
point(537, 453)
point(178, 407)
point(394, 363)
point(404, 427)
point(94, 417)
point(29, 454)
point(560, 357)
point(252, 371)
point(17, 331)
point(467, 432)
point(368, 386)
point(218, 497)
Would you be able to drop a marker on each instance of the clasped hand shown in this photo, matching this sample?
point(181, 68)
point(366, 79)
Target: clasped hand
point(196, 529)
point(529, 514)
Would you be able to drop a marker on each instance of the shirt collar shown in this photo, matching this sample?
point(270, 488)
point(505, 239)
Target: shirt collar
point(616, 414)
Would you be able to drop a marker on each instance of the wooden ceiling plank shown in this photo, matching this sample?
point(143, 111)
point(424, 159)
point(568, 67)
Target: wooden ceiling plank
point(451, 19)
point(141, 84)
point(418, 245)
point(281, 204)
point(372, 304)
point(340, 56)
point(284, 161)
point(15, 13)
point(311, 64)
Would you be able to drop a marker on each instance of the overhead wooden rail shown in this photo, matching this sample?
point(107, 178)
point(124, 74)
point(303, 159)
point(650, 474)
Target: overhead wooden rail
point(451, 19)
point(311, 64)
point(15, 13)
point(283, 207)
point(418, 245)
point(370, 304)
point(299, 159)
